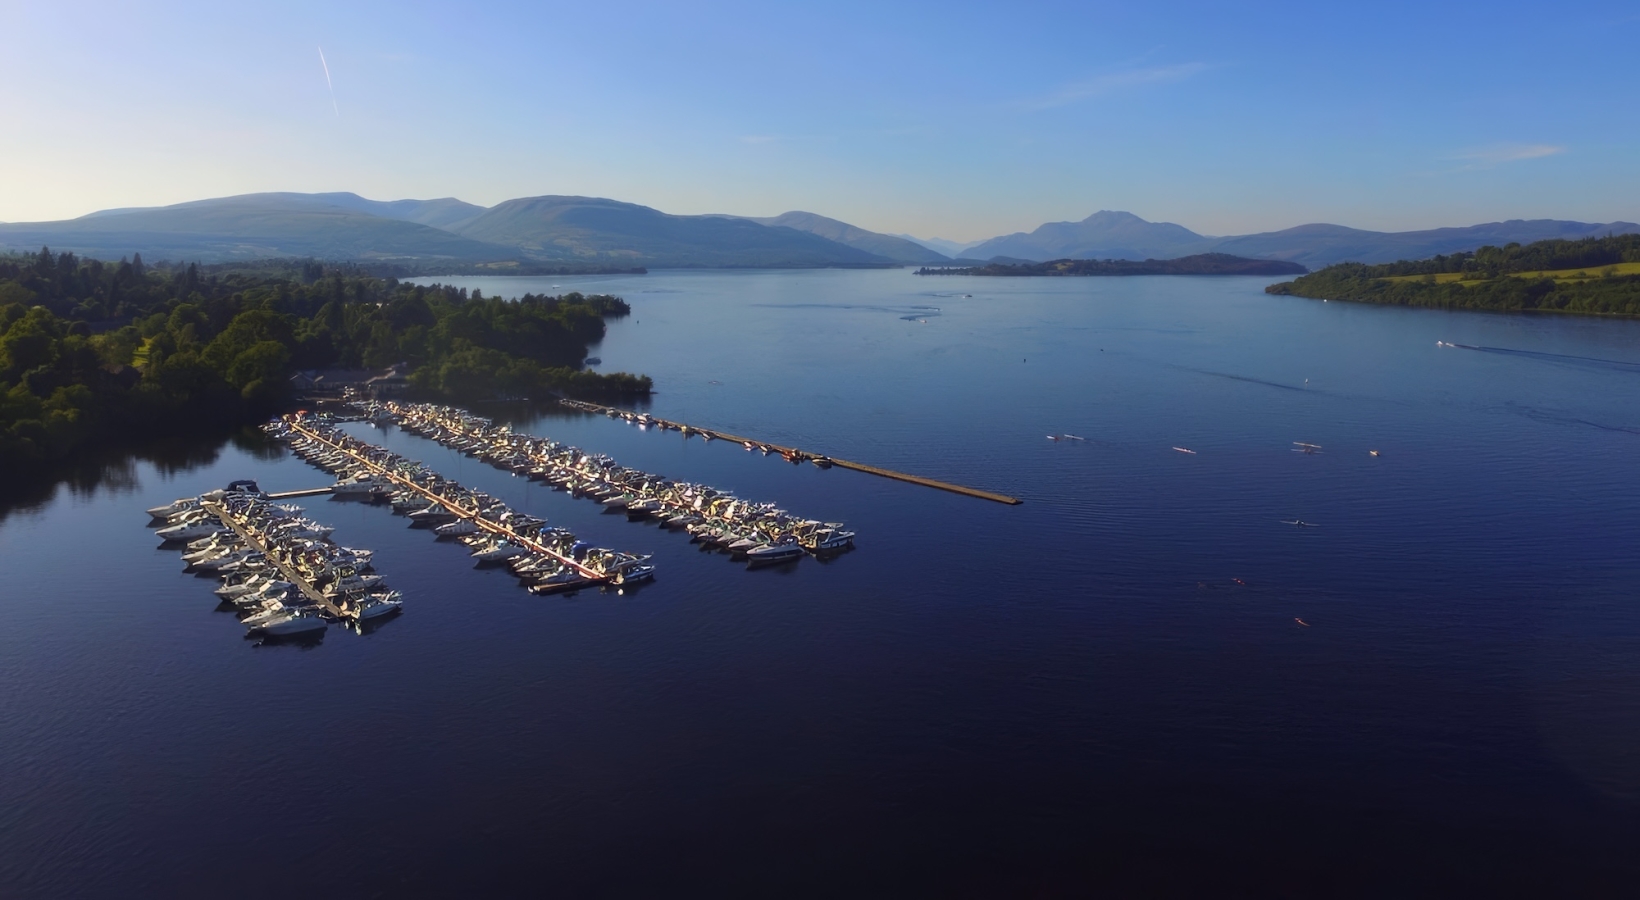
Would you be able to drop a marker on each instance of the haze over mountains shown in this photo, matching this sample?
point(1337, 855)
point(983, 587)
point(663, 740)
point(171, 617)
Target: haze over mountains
point(595, 231)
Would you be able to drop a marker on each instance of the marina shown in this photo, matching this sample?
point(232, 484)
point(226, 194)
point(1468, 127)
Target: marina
point(280, 570)
point(761, 533)
point(789, 454)
point(1058, 652)
point(548, 560)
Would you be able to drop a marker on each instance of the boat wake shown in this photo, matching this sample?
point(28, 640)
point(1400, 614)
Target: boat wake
point(1616, 365)
point(904, 312)
point(1551, 417)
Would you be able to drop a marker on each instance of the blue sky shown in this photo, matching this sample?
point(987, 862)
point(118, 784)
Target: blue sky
point(961, 120)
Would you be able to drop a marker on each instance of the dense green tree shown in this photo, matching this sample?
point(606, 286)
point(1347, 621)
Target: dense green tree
point(1493, 278)
point(91, 351)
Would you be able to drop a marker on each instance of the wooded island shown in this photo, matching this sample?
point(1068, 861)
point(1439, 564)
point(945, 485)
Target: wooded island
point(1200, 264)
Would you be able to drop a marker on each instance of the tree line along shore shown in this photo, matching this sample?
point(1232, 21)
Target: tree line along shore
point(1199, 264)
point(94, 354)
point(1592, 276)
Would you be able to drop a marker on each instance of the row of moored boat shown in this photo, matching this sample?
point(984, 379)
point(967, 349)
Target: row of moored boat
point(645, 421)
point(547, 559)
point(279, 569)
point(759, 532)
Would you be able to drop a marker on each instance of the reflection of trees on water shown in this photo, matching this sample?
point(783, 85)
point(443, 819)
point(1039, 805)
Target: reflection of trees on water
point(253, 443)
point(523, 412)
point(116, 471)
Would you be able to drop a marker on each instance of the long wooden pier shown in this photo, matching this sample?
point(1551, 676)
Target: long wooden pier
point(592, 575)
point(251, 538)
point(795, 453)
point(308, 492)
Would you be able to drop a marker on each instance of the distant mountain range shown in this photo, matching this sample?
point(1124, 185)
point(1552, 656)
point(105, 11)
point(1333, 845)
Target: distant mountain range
point(888, 246)
point(1120, 235)
point(1200, 264)
point(597, 232)
point(330, 226)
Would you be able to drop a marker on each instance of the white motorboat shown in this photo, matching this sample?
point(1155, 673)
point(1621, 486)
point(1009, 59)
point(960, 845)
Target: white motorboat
point(215, 563)
point(457, 528)
point(410, 503)
point(526, 567)
point(823, 541)
point(635, 574)
point(782, 551)
point(265, 612)
point(261, 582)
point(181, 504)
point(567, 580)
point(251, 560)
point(279, 591)
point(643, 507)
point(353, 583)
point(375, 607)
point(499, 552)
point(431, 515)
point(190, 531)
point(217, 545)
point(291, 624)
point(363, 483)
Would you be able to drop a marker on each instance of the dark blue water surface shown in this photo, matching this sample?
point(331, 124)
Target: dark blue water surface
point(1140, 679)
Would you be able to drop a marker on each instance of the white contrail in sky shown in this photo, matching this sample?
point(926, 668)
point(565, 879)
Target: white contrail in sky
point(328, 84)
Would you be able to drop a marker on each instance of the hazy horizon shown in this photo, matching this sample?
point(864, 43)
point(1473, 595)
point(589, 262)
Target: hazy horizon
point(951, 121)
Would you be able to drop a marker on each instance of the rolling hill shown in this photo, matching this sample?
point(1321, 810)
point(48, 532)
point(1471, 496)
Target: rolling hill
point(255, 226)
point(1324, 245)
point(597, 230)
point(888, 246)
point(1104, 235)
point(1120, 235)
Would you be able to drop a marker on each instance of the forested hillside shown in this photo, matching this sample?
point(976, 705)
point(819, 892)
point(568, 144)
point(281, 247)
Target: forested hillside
point(97, 352)
point(1593, 276)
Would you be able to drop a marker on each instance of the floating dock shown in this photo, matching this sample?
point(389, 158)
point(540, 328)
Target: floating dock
point(797, 454)
point(593, 576)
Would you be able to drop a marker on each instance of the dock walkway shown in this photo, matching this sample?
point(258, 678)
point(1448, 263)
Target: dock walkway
point(592, 575)
point(795, 453)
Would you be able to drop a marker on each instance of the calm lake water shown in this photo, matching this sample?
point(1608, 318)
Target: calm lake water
point(1140, 679)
